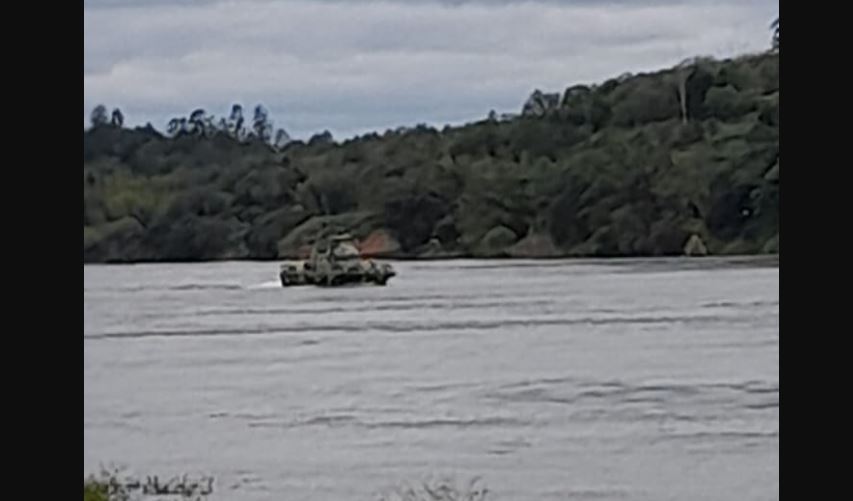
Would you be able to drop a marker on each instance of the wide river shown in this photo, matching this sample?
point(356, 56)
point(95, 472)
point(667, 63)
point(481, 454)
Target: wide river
point(645, 380)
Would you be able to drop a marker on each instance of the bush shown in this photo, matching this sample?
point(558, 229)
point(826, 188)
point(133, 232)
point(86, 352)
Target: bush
point(725, 103)
point(645, 104)
point(112, 485)
point(413, 216)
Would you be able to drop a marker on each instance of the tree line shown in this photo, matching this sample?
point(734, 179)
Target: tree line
point(632, 166)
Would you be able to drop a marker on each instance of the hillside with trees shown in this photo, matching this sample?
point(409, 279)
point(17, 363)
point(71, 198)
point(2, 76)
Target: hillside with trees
point(636, 166)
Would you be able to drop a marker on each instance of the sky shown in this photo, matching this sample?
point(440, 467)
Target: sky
point(357, 66)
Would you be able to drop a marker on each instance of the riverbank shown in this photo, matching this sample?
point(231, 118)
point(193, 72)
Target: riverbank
point(624, 168)
point(758, 260)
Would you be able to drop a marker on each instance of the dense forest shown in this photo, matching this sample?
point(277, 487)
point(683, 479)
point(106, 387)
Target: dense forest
point(675, 161)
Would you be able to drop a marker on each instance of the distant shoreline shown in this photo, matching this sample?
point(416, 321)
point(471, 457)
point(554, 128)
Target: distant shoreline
point(679, 161)
point(769, 259)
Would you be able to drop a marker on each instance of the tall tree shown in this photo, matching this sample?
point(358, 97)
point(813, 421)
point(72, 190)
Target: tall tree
point(196, 122)
point(775, 27)
point(235, 122)
point(117, 118)
point(261, 124)
point(682, 73)
point(99, 116)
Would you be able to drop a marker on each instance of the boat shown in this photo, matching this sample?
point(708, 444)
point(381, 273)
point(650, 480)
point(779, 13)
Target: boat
point(335, 261)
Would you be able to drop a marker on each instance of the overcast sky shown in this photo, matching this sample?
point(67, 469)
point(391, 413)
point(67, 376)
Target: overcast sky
point(353, 66)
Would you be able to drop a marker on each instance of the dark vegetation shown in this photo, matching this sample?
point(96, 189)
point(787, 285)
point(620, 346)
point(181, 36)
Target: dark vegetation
point(114, 485)
point(634, 166)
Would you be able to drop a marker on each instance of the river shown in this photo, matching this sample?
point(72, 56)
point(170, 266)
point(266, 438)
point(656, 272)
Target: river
point(581, 379)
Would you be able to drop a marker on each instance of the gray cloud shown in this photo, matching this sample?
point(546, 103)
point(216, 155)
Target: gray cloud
point(358, 65)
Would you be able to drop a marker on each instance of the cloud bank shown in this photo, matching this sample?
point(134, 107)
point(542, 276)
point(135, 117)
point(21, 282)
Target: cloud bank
point(352, 66)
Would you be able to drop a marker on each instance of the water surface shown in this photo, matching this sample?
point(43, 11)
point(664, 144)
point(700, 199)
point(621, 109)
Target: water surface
point(636, 379)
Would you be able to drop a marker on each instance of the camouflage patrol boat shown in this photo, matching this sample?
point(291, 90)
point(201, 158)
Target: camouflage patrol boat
point(335, 261)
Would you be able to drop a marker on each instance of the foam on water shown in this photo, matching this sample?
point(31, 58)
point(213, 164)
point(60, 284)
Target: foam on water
point(272, 284)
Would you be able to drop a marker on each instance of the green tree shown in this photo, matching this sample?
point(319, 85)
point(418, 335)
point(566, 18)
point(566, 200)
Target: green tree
point(99, 116)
